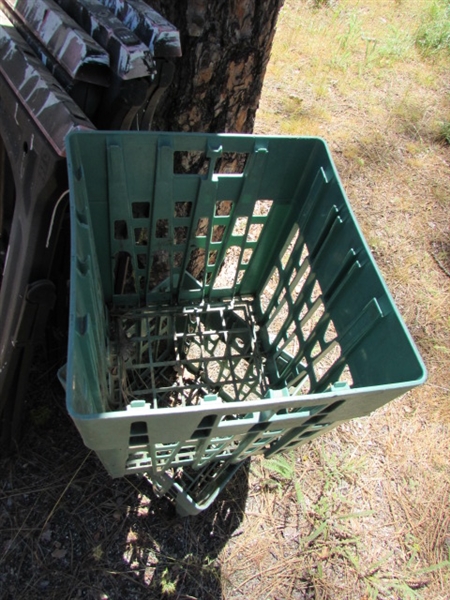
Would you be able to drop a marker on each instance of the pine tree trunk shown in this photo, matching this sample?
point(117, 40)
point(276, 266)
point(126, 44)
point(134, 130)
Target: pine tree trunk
point(226, 46)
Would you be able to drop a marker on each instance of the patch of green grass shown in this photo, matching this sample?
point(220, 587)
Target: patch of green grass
point(444, 131)
point(282, 467)
point(433, 34)
point(322, 3)
point(395, 45)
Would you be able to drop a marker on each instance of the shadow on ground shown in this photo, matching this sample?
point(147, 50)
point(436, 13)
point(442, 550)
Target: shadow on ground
point(68, 531)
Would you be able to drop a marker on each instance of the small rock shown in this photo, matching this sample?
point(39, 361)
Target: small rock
point(46, 535)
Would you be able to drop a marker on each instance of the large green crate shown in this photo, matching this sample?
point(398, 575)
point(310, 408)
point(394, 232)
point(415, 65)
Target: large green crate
point(222, 312)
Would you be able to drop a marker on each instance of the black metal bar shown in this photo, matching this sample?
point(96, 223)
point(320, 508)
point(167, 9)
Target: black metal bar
point(67, 42)
point(129, 57)
point(50, 108)
point(164, 76)
point(155, 31)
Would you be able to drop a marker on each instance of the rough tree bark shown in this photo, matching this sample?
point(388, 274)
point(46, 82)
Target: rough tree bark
point(226, 46)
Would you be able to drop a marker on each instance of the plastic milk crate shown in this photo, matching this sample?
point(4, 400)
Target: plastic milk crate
point(223, 301)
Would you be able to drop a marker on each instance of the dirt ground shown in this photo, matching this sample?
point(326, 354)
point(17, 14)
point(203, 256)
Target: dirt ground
point(360, 513)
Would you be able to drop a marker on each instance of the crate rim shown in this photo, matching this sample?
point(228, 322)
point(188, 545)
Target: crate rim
point(250, 406)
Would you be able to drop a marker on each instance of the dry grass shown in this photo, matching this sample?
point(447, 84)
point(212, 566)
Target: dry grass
point(361, 513)
point(361, 82)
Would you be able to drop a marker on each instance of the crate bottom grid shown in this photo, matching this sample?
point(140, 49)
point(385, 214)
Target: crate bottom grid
point(176, 356)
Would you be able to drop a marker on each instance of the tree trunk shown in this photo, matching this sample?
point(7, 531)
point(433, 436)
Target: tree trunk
point(226, 46)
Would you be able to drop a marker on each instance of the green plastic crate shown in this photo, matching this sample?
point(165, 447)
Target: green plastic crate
point(229, 311)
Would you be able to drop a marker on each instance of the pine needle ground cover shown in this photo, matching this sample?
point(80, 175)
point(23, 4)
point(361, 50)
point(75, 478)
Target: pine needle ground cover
point(360, 513)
